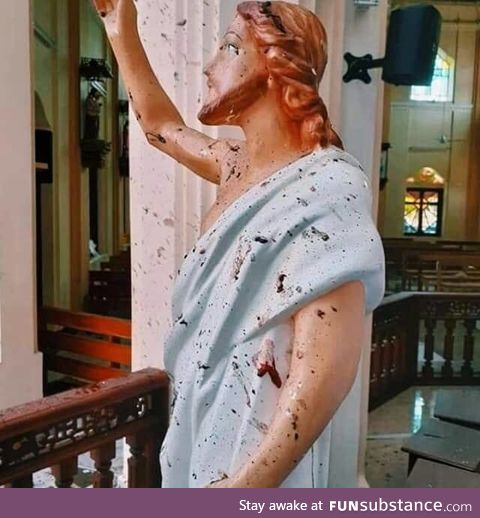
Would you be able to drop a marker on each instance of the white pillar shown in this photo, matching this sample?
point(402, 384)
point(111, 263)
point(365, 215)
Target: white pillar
point(167, 201)
point(332, 15)
point(20, 363)
point(361, 130)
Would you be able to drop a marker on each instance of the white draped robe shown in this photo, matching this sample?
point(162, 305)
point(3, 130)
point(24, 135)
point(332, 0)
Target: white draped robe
point(301, 233)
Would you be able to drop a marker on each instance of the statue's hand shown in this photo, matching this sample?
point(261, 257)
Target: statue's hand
point(119, 16)
point(220, 484)
point(223, 482)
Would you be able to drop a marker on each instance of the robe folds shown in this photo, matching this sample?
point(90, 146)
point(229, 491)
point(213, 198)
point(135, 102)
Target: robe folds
point(304, 231)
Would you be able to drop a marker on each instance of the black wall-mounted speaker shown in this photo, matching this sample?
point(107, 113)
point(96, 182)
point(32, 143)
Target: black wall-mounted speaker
point(412, 45)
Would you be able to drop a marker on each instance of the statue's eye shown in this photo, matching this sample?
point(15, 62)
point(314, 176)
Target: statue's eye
point(231, 48)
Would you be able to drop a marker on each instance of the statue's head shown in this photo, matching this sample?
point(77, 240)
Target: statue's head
point(271, 48)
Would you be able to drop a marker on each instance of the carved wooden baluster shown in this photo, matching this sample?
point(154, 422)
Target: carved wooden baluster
point(447, 370)
point(102, 457)
point(427, 370)
point(137, 463)
point(374, 368)
point(160, 408)
point(24, 482)
point(152, 452)
point(403, 356)
point(412, 325)
point(403, 267)
point(468, 346)
point(420, 276)
point(396, 369)
point(65, 472)
point(382, 355)
point(394, 345)
point(388, 361)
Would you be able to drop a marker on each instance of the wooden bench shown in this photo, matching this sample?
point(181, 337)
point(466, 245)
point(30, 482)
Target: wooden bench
point(432, 474)
point(80, 348)
point(109, 293)
point(110, 287)
point(445, 443)
point(118, 263)
point(451, 272)
point(459, 406)
point(406, 259)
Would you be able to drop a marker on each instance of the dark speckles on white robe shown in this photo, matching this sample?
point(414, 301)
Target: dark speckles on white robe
point(282, 244)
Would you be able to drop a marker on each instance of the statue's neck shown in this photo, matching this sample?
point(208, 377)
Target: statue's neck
point(272, 139)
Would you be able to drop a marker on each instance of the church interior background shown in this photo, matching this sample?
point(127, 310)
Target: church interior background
point(94, 224)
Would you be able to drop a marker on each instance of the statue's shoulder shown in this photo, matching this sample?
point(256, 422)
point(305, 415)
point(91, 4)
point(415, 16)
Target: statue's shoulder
point(334, 170)
point(335, 157)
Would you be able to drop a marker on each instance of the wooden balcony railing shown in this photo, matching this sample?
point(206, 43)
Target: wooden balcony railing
point(53, 431)
point(448, 324)
point(424, 338)
point(393, 361)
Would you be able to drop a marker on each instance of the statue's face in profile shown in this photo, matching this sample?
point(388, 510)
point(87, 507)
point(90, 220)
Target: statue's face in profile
point(236, 76)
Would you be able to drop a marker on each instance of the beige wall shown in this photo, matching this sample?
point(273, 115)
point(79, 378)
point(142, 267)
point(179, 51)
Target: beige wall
point(50, 81)
point(20, 363)
point(361, 130)
point(51, 68)
point(411, 127)
point(93, 44)
point(123, 186)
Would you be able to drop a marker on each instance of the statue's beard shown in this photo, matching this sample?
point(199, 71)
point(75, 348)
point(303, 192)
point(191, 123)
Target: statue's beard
point(227, 108)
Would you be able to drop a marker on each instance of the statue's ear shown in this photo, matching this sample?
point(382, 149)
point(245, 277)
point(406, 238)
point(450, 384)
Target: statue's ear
point(294, 98)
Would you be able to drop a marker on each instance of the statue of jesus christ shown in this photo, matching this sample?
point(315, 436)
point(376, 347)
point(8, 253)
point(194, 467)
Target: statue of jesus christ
point(271, 304)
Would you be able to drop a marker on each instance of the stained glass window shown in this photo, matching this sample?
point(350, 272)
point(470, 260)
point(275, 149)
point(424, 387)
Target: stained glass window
point(441, 89)
point(423, 212)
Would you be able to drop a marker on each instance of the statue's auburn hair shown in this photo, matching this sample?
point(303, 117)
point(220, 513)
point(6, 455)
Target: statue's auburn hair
point(295, 45)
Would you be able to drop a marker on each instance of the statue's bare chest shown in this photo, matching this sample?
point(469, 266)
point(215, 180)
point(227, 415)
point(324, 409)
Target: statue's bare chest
point(231, 188)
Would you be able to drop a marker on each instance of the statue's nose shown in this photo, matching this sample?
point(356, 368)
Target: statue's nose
point(206, 71)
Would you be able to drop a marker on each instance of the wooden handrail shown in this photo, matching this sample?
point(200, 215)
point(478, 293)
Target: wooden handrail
point(397, 326)
point(54, 430)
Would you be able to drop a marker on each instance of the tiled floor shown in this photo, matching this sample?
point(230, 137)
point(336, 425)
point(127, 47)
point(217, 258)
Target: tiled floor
point(388, 427)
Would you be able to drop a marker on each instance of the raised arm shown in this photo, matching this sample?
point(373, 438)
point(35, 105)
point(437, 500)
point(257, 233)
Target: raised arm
point(160, 120)
point(328, 335)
